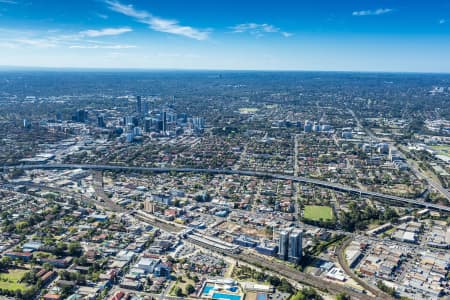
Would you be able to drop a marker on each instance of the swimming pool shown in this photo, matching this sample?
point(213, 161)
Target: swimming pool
point(207, 289)
point(221, 296)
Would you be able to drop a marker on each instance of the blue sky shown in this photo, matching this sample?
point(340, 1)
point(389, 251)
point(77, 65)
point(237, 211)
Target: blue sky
point(359, 35)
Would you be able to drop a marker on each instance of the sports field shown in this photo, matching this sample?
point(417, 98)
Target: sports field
point(10, 281)
point(317, 213)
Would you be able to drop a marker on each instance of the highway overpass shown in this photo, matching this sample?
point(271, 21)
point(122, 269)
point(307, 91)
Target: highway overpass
point(321, 183)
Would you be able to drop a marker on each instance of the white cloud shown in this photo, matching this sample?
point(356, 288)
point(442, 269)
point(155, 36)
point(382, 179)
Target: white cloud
point(377, 12)
point(102, 46)
point(102, 16)
point(157, 23)
point(105, 32)
point(48, 39)
point(8, 1)
point(39, 43)
point(258, 29)
point(9, 45)
point(119, 46)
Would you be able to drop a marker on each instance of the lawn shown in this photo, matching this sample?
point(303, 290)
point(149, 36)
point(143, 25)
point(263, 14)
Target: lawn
point(444, 149)
point(10, 280)
point(181, 284)
point(317, 213)
point(40, 254)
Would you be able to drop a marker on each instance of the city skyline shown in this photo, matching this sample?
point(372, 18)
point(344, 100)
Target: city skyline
point(392, 36)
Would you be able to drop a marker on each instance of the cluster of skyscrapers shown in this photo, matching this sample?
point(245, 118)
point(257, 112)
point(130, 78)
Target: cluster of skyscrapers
point(163, 122)
point(80, 116)
point(316, 127)
point(290, 245)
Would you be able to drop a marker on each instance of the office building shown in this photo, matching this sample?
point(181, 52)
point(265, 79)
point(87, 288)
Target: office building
point(26, 123)
point(325, 127)
point(394, 155)
point(147, 124)
point(295, 246)
point(283, 245)
point(308, 126)
point(149, 206)
point(366, 148)
point(158, 125)
point(383, 148)
point(245, 241)
point(267, 248)
point(131, 121)
point(198, 123)
point(135, 121)
point(138, 104)
point(101, 121)
point(290, 245)
point(130, 137)
point(316, 127)
point(145, 108)
point(80, 116)
point(347, 135)
point(164, 121)
point(171, 117)
point(137, 131)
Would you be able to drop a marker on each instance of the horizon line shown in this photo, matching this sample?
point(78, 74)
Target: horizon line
point(8, 68)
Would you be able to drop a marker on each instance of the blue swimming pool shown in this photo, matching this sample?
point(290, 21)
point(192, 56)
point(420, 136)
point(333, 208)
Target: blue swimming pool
point(220, 296)
point(207, 289)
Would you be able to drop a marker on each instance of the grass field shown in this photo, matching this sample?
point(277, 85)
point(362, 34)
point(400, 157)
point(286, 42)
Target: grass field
point(10, 280)
point(183, 284)
point(40, 254)
point(444, 149)
point(317, 213)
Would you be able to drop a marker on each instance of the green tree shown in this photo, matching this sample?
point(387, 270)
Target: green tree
point(307, 294)
point(190, 289)
point(275, 281)
point(343, 296)
point(178, 292)
point(75, 249)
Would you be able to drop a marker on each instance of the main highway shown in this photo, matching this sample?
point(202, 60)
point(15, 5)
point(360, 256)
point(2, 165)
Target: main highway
point(321, 183)
point(276, 267)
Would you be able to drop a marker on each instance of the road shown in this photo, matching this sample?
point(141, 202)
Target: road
point(348, 271)
point(431, 181)
point(296, 185)
point(272, 265)
point(285, 271)
point(97, 177)
point(412, 164)
point(161, 296)
point(321, 183)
